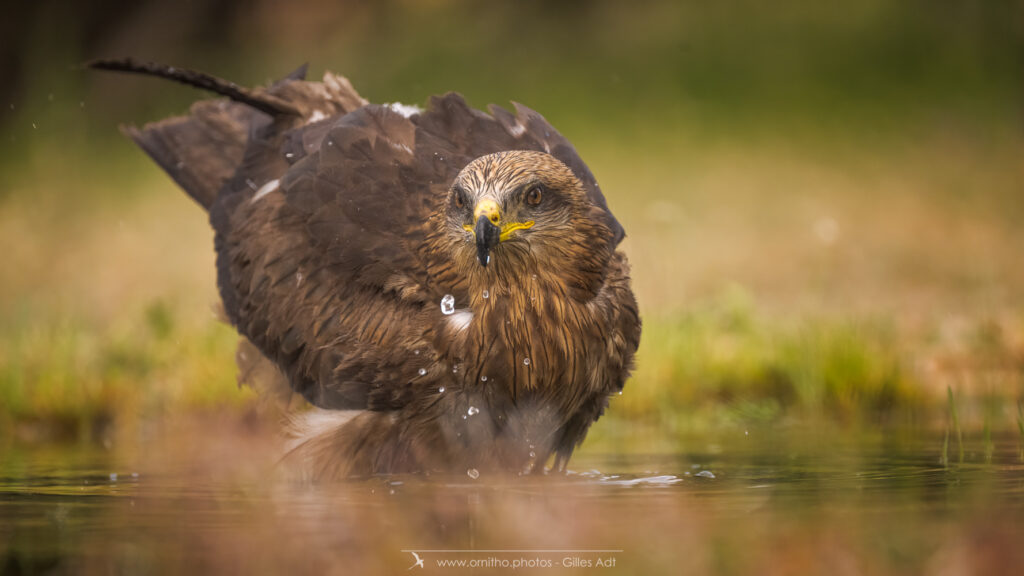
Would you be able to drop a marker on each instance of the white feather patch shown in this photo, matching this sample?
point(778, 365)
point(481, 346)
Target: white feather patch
point(266, 189)
point(460, 319)
point(316, 423)
point(316, 116)
point(407, 110)
point(517, 130)
point(399, 146)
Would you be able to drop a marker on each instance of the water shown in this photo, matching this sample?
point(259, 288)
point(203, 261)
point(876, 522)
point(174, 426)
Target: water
point(448, 305)
point(879, 505)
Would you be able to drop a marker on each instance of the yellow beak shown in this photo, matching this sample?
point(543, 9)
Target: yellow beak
point(489, 209)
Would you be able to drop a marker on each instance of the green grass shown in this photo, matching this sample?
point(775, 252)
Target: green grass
point(722, 360)
point(68, 380)
point(721, 364)
point(955, 419)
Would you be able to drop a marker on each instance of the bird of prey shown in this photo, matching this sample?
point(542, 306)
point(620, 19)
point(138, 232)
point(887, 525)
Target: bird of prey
point(442, 284)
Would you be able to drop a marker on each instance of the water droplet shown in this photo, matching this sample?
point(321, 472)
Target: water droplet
point(250, 183)
point(330, 142)
point(440, 390)
point(526, 361)
point(423, 371)
point(113, 476)
point(298, 278)
point(33, 125)
point(473, 473)
point(448, 305)
point(488, 258)
point(473, 410)
point(289, 154)
point(534, 276)
point(705, 474)
point(620, 392)
point(486, 294)
point(533, 454)
point(416, 352)
point(483, 378)
point(455, 369)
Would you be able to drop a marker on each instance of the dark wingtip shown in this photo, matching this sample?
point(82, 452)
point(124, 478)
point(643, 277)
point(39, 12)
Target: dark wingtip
point(299, 73)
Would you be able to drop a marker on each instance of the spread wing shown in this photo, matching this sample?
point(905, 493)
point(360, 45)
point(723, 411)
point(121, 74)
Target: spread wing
point(322, 230)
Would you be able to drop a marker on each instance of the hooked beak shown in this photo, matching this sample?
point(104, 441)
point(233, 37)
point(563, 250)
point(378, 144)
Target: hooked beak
point(489, 229)
point(487, 237)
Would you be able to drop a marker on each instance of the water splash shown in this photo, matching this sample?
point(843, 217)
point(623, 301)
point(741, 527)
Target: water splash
point(664, 480)
point(448, 305)
point(705, 474)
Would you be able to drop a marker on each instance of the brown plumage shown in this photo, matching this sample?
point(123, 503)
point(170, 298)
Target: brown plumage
point(444, 282)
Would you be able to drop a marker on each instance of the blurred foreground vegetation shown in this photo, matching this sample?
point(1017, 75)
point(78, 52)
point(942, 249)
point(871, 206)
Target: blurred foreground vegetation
point(822, 204)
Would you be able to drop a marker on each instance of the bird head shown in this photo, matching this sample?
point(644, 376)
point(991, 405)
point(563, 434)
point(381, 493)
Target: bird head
point(511, 206)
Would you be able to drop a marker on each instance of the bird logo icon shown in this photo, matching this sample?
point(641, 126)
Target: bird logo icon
point(419, 561)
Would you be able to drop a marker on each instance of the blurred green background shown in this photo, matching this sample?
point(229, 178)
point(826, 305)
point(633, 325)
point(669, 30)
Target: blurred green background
point(822, 202)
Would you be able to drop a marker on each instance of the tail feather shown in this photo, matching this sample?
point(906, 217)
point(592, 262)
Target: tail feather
point(223, 142)
point(261, 101)
point(203, 150)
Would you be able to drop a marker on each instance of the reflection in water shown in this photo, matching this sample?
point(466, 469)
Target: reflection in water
point(206, 502)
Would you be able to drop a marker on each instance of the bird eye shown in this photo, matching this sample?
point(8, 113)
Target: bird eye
point(460, 202)
point(533, 197)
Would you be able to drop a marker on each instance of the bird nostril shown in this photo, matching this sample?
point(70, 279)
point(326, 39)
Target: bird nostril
point(494, 219)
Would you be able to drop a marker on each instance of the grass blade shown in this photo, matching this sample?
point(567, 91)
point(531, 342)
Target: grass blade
point(956, 423)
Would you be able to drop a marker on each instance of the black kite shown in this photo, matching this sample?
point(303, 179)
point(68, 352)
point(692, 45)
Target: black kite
point(443, 283)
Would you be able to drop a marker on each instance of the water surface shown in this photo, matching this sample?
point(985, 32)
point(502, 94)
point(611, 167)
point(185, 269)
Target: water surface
point(775, 503)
